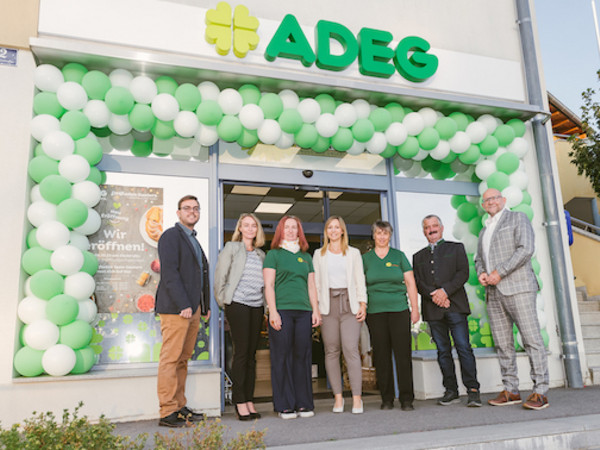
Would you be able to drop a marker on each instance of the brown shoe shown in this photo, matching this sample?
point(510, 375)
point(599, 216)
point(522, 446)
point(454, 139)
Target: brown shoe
point(505, 398)
point(536, 401)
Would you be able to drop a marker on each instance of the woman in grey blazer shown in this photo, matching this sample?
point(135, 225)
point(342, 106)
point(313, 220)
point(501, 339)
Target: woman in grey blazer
point(342, 294)
point(239, 288)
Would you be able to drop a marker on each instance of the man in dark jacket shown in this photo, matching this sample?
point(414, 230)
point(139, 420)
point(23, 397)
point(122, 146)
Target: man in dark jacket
point(441, 270)
point(182, 297)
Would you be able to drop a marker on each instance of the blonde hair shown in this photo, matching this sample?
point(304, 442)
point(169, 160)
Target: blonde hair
point(259, 240)
point(344, 235)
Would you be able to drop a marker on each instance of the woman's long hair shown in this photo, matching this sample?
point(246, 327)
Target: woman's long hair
point(344, 235)
point(278, 237)
point(259, 240)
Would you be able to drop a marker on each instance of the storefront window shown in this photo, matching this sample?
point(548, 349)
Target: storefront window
point(143, 144)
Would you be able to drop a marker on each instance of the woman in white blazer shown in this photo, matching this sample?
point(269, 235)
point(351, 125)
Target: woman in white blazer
point(342, 297)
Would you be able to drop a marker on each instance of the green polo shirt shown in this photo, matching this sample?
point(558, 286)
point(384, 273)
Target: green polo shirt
point(291, 278)
point(386, 289)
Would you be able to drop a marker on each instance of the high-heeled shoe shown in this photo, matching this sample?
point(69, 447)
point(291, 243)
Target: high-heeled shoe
point(358, 410)
point(255, 415)
point(242, 417)
point(338, 409)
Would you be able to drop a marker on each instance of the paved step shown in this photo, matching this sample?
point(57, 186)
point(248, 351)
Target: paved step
point(590, 331)
point(588, 306)
point(590, 318)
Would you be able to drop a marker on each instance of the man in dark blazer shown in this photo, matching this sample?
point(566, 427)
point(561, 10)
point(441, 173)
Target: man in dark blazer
point(182, 297)
point(441, 271)
point(503, 262)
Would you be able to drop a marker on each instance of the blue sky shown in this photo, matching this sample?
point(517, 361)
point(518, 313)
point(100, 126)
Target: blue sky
point(569, 48)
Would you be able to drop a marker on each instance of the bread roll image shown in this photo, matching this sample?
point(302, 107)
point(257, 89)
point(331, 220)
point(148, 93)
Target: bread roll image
point(154, 219)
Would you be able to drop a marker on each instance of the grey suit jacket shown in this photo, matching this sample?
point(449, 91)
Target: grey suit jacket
point(511, 248)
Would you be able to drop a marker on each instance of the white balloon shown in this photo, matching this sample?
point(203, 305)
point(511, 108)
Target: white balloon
point(52, 235)
point(67, 260)
point(121, 142)
point(489, 122)
point(460, 229)
point(58, 144)
point(71, 95)
point(345, 114)
point(230, 101)
point(476, 131)
point(34, 194)
point(208, 91)
point(251, 116)
point(309, 109)
point(485, 168)
point(541, 315)
point(513, 196)
point(470, 242)
point(414, 123)
point(59, 360)
point(42, 125)
point(78, 240)
point(421, 155)
point(80, 285)
point(143, 89)
point(32, 308)
point(326, 125)
point(519, 146)
point(142, 136)
point(497, 154)
point(119, 124)
point(483, 186)
point(519, 179)
point(539, 302)
point(121, 77)
point(86, 191)
point(87, 310)
point(165, 107)
point(47, 77)
point(377, 143)
point(362, 107)
point(289, 98)
point(41, 334)
point(207, 135)
point(97, 112)
point(269, 131)
point(403, 164)
point(74, 168)
point(357, 148)
point(440, 151)
point(414, 171)
point(286, 140)
point(460, 142)
point(41, 212)
point(396, 133)
point(429, 116)
point(186, 124)
point(91, 224)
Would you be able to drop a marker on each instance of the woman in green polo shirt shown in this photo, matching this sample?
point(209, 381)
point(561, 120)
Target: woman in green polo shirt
point(293, 309)
point(389, 277)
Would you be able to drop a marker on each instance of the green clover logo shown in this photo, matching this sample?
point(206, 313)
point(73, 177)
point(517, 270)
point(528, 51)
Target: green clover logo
point(218, 29)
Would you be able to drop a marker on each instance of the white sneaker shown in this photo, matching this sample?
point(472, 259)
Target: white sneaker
point(288, 415)
point(339, 409)
point(305, 413)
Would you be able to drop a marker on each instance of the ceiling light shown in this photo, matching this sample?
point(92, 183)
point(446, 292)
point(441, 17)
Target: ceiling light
point(250, 190)
point(273, 208)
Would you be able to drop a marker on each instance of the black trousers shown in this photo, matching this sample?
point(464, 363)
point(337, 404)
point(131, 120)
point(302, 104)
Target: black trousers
point(244, 323)
point(390, 332)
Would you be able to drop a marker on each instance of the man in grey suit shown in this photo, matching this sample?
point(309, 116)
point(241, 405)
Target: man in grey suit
point(503, 263)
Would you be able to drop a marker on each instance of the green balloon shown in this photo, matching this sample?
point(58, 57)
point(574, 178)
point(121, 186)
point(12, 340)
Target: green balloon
point(250, 94)
point(430, 165)
point(363, 130)
point(498, 180)
point(90, 263)
point(488, 146)
point(290, 121)
point(518, 127)
point(396, 111)
point(141, 117)
point(188, 96)
point(209, 112)
point(484, 218)
point(505, 135)
point(428, 139)
point(307, 136)
point(475, 226)
point(526, 198)
point(163, 147)
point(461, 120)
point(32, 239)
point(72, 212)
point(343, 140)
point(457, 200)
point(95, 176)
point(77, 334)
point(409, 148)
point(36, 259)
point(471, 258)
point(535, 264)
point(446, 128)
point(322, 144)
point(74, 72)
point(545, 337)
point(528, 210)
point(140, 148)
point(46, 284)
point(102, 132)
point(272, 105)
point(90, 149)
point(539, 280)
point(119, 100)
point(470, 156)
point(248, 138)
point(38, 150)
point(28, 362)
point(163, 130)
point(85, 358)
point(443, 172)
point(42, 166)
point(96, 84)
point(450, 158)
point(507, 163)
point(390, 150)
point(381, 118)
point(230, 128)
point(326, 102)
point(62, 309)
point(55, 189)
point(47, 103)
point(473, 280)
point(166, 85)
point(466, 211)
point(75, 124)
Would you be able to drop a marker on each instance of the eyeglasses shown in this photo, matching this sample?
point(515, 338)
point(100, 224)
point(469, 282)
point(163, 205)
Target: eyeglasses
point(491, 199)
point(190, 208)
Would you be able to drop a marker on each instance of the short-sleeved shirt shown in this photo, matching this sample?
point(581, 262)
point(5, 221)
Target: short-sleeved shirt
point(386, 289)
point(291, 278)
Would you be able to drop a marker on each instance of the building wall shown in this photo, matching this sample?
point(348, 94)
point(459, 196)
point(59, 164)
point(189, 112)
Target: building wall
point(18, 22)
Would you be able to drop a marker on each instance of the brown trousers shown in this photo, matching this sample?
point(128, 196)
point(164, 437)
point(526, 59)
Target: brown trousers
point(178, 340)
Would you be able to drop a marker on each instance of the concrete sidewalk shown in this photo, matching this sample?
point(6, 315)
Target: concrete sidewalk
point(571, 421)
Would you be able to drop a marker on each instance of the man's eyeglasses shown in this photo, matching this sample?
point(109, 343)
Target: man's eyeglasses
point(491, 199)
point(190, 208)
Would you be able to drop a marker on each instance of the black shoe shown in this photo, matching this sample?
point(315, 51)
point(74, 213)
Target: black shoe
point(449, 398)
point(173, 420)
point(191, 415)
point(387, 405)
point(473, 399)
point(255, 415)
point(407, 406)
point(242, 417)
